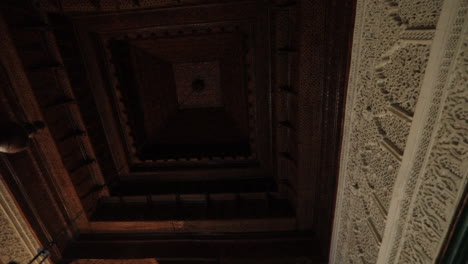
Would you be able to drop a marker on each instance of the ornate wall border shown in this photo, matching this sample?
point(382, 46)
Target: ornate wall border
point(17, 241)
point(345, 147)
point(434, 171)
point(437, 136)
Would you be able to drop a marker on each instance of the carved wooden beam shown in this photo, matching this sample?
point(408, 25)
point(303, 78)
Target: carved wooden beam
point(163, 246)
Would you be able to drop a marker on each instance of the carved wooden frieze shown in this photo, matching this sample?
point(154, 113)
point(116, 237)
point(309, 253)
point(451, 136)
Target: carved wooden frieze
point(118, 5)
point(115, 261)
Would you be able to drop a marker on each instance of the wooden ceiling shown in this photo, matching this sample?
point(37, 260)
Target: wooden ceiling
point(170, 119)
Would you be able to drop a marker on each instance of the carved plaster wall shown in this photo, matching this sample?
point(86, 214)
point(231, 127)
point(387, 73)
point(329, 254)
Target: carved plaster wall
point(404, 164)
point(17, 241)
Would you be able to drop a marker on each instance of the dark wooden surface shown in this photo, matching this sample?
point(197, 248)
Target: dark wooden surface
point(192, 245)
point(205, 25)
point(302, 53)
point(36, 178)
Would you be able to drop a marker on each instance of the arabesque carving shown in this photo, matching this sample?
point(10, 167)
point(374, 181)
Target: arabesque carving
point(392, 52)
point(17, 242)
point(438, 173)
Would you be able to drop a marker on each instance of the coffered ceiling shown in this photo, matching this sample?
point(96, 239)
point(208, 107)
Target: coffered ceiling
point(175, 117)
point(175, 88)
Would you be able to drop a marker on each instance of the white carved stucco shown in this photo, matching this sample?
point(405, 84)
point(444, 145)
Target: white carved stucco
point(404, 161)
point(17, 242)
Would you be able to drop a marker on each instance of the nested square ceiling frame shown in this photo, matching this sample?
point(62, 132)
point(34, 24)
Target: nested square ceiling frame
point(149, 107)
point(246, 21)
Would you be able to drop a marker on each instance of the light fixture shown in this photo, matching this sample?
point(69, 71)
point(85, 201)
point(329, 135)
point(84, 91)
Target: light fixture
point(15, 137)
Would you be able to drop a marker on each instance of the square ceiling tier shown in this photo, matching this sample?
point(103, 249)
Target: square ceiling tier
point(175, 87)
point(198, 84)
point(176, 92)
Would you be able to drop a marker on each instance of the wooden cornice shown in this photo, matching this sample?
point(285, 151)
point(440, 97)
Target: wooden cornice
point(36, 177)
point(215, 245)
point(324, 36)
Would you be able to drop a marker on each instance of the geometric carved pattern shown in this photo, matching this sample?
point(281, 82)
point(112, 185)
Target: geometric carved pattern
point(186, 73)
point(391, 47)
point(17, 241)
point(438, 175)
point(412, 225)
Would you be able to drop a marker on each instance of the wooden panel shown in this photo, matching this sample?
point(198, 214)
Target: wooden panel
point(237, 226)
point(310, 56)
point(193, 246)
point(188, 261)
point(193, 207)
point(239, 38)
point(49, 86)
point(115, 261)
point(323, 41)
point(194, 185)
point(37, 177)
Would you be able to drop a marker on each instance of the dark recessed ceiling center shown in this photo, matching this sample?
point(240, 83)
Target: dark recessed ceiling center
point(198, 85)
